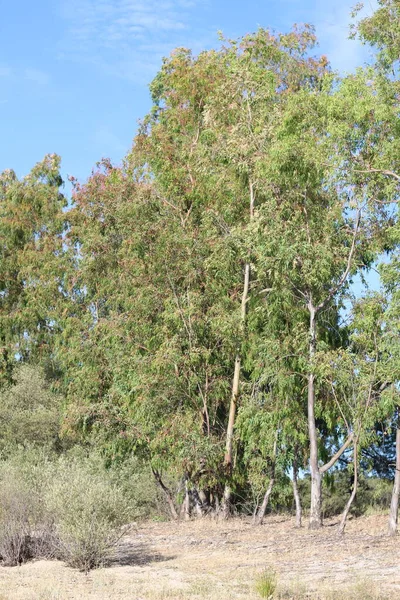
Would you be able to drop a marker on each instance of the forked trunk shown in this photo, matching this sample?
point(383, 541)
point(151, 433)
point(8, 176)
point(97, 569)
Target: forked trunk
point(296, 492)
point(394, 505)
point(353, 493)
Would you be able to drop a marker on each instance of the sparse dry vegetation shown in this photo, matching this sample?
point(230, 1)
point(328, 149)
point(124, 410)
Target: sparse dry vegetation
point(213, 560)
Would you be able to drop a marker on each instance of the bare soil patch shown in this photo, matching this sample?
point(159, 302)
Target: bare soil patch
point(221, 560)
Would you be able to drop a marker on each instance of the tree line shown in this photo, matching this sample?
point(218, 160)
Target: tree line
point(195, 305)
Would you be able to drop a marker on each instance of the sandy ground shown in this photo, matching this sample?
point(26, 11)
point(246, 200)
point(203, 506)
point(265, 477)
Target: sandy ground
point(205, 559)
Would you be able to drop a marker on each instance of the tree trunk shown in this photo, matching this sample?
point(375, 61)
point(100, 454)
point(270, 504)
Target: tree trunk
point(186, 502)
point(226, 508)
point(316, 479)
point(259, 518)
point(198, 504)
point(353, 493)
point(262, 510)
point(296, 492)
point(394, 505)
point(233, 404)
point(167, 493)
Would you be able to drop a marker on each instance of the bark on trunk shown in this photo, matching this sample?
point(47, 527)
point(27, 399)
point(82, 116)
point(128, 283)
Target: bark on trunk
point(316, 479)
point(226, 508)
point(186, 502)
point(353, 493)
point(296, 492)
point(198, 504)
point(259, 518)
point(315, 521)
point(167, 493)
point(394, 505)
point(232, 410)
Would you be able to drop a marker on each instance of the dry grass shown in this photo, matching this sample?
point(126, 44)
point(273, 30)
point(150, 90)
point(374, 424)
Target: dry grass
point(223, 561)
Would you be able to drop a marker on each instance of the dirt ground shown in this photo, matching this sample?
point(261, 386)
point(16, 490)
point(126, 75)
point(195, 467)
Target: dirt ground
point(223, 560)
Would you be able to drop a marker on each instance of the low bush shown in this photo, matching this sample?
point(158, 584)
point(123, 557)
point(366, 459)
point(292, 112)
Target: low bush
point(88, 511)
point(69, 507)
point(26, 529)
point(15, 521)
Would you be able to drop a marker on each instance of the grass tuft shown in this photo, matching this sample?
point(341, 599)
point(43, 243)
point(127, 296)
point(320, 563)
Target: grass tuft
point(266, 584)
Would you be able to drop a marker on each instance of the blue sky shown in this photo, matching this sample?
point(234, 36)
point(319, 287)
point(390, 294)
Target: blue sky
point(74, 74)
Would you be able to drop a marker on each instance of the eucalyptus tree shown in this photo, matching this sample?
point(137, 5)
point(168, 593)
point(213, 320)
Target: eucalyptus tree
point(326, 228)
point(31, 246)
point(250, 134)
point(381, 168)
point(242, 118)
point(142, 359)
point(389, 347)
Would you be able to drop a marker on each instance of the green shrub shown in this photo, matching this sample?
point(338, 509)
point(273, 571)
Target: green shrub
point(25, 528)
point(69, 507)
point(139, 487)
point(23, 532)
point(15, 521)
point(88, 511)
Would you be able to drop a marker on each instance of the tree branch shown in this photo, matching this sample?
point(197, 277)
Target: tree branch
point(382, 171)
point(347, 270)
point(336, 456)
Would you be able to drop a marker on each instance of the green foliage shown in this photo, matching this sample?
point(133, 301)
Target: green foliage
point(255, 158)
point(31, 264)
point(30, 412)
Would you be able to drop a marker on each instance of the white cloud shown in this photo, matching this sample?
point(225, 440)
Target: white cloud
point(127, 37)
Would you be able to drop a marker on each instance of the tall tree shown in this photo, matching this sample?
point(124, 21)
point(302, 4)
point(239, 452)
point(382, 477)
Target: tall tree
point(31, 244)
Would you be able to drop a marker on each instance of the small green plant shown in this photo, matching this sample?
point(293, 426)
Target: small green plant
point(266, 583)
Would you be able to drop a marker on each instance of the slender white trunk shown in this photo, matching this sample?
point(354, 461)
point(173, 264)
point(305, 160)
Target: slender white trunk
point(296, 492)
point(353, 493)
point(259, 518)
point(316, 471)
point(316, 479)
